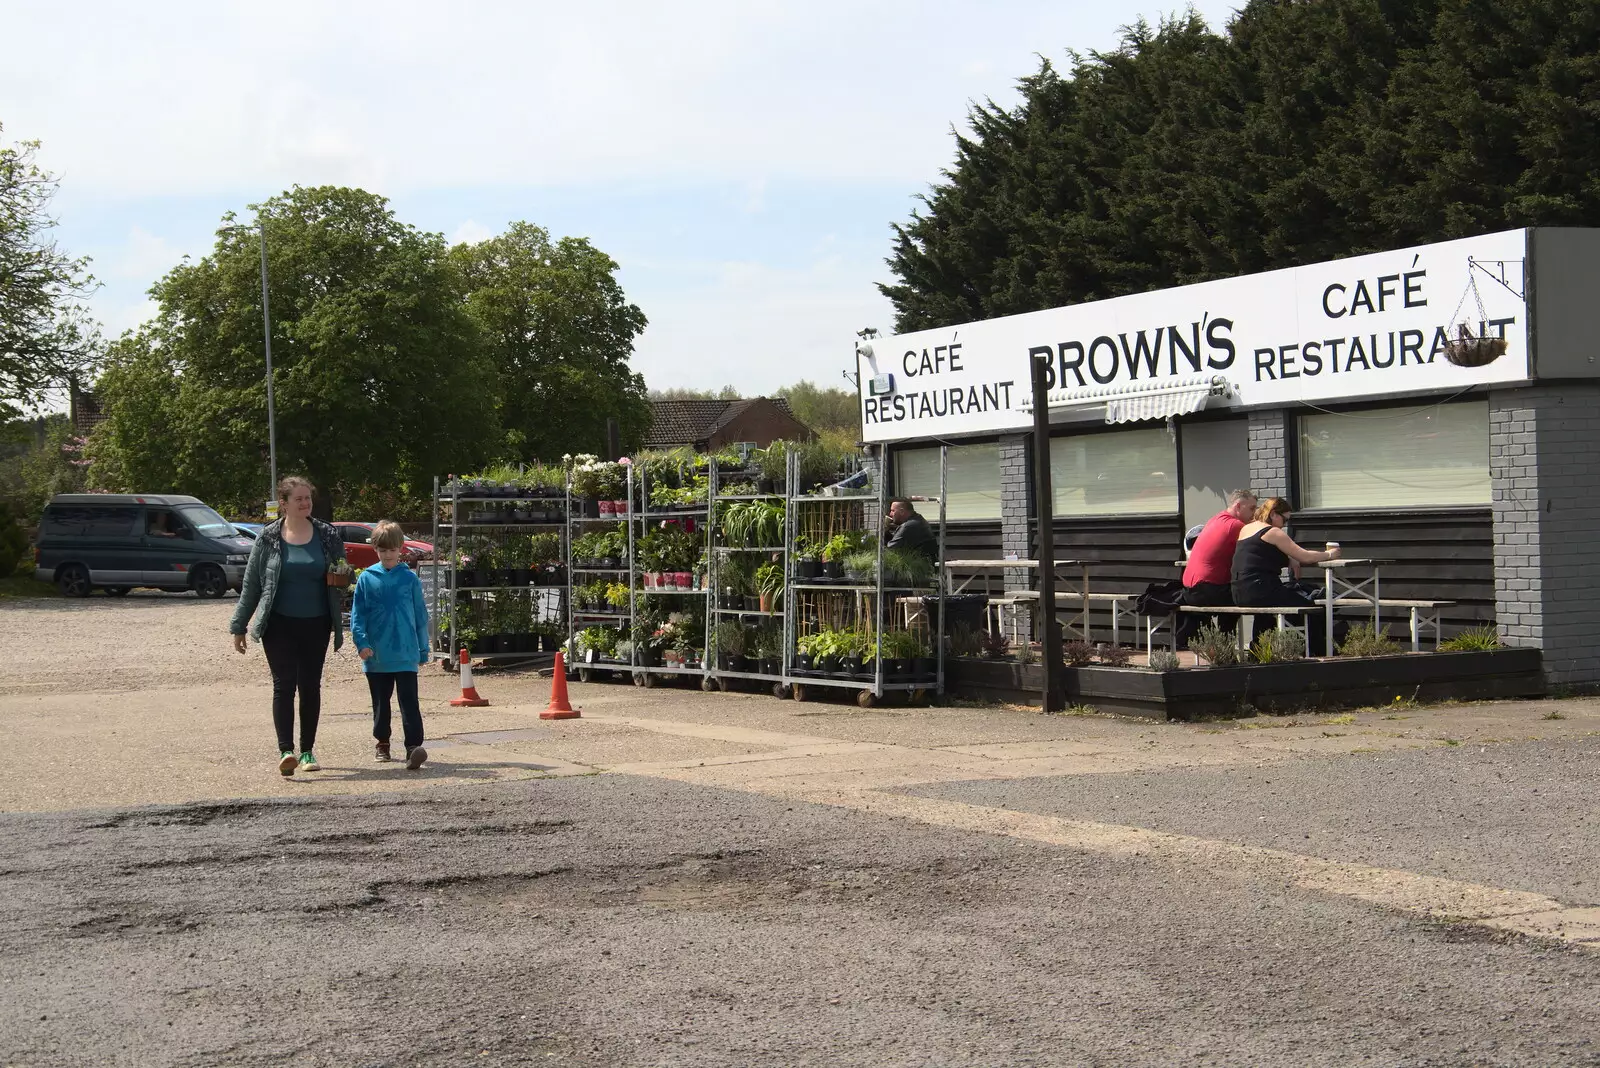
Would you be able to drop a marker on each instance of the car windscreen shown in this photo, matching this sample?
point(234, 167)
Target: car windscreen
point(207, 522)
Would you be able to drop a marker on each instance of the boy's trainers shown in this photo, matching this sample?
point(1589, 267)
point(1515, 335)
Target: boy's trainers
point(286, 763)
point(380, 753)
point(415, 758)
point(308, 762)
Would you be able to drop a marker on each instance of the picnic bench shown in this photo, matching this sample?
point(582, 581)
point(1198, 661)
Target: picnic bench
point(1423, 614)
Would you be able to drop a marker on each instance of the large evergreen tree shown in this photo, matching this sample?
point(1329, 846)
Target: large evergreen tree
point(1304, 132)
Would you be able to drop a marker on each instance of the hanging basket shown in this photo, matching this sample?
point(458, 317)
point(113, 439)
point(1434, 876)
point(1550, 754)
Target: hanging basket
point(1469, 351)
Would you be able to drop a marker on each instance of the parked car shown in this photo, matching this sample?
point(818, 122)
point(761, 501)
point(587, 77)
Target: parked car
point(248, 530)
point(359, 551)
point(116, 541)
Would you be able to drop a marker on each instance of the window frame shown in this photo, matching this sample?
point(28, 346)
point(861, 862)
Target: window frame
point(1296, 461)
point(898, 449)
point(1059, 516)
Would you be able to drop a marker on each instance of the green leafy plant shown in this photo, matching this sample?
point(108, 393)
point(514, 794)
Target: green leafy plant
point(1215, 646)
point(544, 548)
point(765, 643)
point(768, 579)
point(861, 564)
point(1364, 641)
point(1477, 639)
point(908, 568)
point(772, 462)
point(728, 637)
point(843, 544)
point(995, 645)
point(601, 640)
point(617, 595)
point(1278, 645)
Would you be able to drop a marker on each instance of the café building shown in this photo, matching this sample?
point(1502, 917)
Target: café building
point(1335, 385)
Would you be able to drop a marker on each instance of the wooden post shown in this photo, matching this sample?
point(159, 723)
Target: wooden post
point(1044, 515)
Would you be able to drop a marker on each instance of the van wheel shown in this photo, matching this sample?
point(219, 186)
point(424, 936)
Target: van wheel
point(209, 582)
point(73, 581)
point(117, 591)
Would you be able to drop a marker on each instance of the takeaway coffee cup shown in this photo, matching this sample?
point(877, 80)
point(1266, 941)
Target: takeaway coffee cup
point(1333, 547)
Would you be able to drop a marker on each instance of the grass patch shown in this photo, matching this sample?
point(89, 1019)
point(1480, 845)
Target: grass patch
point(1552, 714)
point(1347, 717)
point(25, 585)
point(1080, 710)
point(1451, 741)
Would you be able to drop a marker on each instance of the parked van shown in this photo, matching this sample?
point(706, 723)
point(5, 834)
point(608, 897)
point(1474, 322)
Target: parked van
point(116, 541)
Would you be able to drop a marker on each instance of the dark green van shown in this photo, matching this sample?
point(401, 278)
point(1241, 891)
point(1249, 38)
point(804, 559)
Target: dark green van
point(116, 541)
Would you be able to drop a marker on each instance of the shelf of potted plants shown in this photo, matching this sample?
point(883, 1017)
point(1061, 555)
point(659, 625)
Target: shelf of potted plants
point(747, 516)
point(846, 583)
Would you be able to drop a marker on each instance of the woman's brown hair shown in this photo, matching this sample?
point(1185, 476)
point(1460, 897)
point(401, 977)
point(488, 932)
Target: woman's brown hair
point(289, 483)
point(1266, 508)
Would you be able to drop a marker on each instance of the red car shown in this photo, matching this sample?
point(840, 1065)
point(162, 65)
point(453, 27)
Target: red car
point(359, 551)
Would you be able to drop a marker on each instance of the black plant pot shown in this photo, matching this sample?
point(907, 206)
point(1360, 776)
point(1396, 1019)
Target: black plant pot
point(607, 561)
point(807, 569)
point(833, 569)
point(740, 663)
point(771, 665)
point(828, 665)
point(489, 643)
point(898, 669)
point(850, 665)
point(521, 576)
point(801, 663)
point(549, 643)
point(925, 667)
point(725, 661)
point(752, 604)
point(587, 507)
point(467, 577)
point(764, 485)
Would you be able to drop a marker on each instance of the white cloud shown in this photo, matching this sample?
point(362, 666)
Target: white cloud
point(470, 233)
point(143, 258)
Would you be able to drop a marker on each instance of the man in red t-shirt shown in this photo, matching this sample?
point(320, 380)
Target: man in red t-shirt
point(1208, 576)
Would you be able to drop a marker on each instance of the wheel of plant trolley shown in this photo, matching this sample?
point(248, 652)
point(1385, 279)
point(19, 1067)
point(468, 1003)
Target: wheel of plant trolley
point(585, 675)
point(780, 690)
point(866, 698)
point(917, 697)
point(74, 581)
point(798, 692)
point(709, 684)
point(644, 679)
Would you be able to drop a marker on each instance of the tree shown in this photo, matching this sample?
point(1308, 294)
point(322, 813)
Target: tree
point(1305, 132)
point(559, 332)
point(379, 372)
point(823, 409)
point(46, 337)
point(728, 392)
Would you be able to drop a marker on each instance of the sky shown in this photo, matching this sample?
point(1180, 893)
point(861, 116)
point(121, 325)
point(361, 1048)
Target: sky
point(742, 162)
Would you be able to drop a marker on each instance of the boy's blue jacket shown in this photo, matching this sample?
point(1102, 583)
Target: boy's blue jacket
point(389, 615)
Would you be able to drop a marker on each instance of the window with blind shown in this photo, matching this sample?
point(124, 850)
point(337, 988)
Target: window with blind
point(1123, 472)
point(1398, 458)
point(972, 480)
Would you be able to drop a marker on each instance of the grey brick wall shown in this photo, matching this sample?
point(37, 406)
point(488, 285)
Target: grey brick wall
point(1270, 433)
point(1015, 523)
point(1546, 503)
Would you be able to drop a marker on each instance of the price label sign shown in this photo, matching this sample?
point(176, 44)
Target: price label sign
point(272, 510)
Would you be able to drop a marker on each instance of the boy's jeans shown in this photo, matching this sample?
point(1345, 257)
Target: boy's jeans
point(383, 684)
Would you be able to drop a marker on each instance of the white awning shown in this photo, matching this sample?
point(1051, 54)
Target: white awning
point(1137, 401)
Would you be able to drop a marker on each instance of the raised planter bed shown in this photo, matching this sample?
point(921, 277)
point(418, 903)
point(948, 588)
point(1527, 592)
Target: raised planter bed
point(1190, 693)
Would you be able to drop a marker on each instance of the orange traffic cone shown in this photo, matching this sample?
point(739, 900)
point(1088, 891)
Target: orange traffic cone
point(469, 693)
point(560, 707)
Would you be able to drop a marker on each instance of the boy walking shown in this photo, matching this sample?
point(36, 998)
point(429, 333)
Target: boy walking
point(389, 622)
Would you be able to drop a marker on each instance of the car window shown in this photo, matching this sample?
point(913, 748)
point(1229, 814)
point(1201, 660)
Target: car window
point(103, 520)
point(354, 535)
point(207, 522)
point(64, 520)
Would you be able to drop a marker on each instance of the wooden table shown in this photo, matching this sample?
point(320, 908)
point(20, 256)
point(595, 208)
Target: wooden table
point(1336, 587)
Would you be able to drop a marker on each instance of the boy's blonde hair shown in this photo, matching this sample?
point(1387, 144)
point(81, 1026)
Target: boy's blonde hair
point(387, 535)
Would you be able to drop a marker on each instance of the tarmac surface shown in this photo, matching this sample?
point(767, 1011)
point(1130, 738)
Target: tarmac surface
point(681, 878)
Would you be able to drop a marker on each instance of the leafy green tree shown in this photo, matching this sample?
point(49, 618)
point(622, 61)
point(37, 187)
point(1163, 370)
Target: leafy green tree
point(684, 393)
point(379, 373)
point(559, 332)
point(46, 337)
point(1305, 132)
point(820, 408)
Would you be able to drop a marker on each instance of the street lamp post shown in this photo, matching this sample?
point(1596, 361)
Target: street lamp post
point(266, 329)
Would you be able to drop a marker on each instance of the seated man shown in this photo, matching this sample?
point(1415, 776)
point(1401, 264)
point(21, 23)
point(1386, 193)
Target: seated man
point(909, 531)
point(160, 526)
point(1207, 578)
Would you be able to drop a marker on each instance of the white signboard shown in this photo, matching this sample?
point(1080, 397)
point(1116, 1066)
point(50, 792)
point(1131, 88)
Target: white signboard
point(1368, 326)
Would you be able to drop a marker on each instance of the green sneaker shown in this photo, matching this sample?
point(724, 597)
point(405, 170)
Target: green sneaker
point(309, 762)
point(286, 763)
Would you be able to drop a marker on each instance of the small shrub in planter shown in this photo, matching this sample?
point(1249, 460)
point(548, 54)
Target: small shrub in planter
point(1215, 646)
point(1475, 640)
point(1278, 645)
point(1113, 655)
point(1364, 641)
point(1077, 654)
point(1164, 660)
point(996, 646)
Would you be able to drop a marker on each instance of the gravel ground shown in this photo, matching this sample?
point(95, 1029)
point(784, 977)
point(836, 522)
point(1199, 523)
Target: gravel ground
point(621, 921)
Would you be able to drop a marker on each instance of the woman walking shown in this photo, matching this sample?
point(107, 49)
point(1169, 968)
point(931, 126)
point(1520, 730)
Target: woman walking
point(287, 578)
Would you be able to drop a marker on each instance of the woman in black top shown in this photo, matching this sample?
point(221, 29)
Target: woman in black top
point(1263, 551)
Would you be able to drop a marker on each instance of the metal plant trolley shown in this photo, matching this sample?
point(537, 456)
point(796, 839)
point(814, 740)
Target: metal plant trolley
point(808, 600)
point(640, 518)
point(481, 591)
point(721, 609)
point(622, 567)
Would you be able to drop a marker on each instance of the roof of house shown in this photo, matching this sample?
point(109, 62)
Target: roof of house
point(686, 422)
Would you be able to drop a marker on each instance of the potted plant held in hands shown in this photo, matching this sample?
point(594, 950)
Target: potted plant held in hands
point(341, 574)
